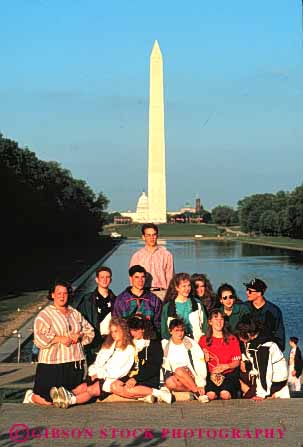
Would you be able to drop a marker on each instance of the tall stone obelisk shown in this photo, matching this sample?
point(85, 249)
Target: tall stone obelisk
point(156, 140)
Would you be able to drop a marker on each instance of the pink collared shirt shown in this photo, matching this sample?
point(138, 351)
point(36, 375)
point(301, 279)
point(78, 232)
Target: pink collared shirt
point(159, 263)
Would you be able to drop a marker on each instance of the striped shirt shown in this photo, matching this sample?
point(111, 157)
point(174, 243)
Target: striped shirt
point(159, 263)
point(51, 322)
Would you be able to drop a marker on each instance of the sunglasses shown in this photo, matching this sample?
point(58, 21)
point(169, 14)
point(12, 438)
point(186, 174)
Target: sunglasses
point(249, 291)
point(224, 298)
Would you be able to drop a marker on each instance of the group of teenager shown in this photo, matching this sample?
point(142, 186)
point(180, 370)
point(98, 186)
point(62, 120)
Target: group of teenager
point(165, 332)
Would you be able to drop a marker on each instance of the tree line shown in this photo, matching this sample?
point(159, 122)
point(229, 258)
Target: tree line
point(279, 214)
point(42, 204)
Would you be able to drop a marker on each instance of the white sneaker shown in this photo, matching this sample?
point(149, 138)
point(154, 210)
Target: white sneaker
point(150, 399)
point(202, 399)
point(165, 396)
point(28, 397)
point(54, 394)
point(64, 397)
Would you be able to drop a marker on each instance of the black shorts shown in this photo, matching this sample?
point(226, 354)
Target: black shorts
point(68, 375)
point(230, 384)
point(153, 382)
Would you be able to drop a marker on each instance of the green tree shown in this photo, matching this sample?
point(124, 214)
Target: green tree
point(251, 208)
point(268, 223)
point(223, 215)
point(42, 202)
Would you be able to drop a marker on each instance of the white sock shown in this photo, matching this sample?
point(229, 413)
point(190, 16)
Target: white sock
point(73, 400)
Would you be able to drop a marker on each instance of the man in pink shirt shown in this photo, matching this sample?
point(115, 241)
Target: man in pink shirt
point(157, 261)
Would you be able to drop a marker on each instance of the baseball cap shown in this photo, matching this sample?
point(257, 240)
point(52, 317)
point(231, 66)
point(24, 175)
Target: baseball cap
point(256, 284)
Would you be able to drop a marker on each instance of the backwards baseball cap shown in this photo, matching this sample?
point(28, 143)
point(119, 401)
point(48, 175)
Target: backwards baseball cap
point(256, 284)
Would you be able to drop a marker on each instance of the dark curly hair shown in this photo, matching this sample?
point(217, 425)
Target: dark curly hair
point(248, 326)
point(225, 287)
point(137, 322)
point(62, 283)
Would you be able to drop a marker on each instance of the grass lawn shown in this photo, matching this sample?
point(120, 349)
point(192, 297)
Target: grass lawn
point(167, 230)
point(274, 241)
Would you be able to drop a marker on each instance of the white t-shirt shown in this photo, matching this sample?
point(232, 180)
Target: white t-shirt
point(178, 356)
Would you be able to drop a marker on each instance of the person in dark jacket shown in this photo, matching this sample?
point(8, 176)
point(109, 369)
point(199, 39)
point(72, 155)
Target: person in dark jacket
point(263, 366)
point(231, 306)
point(96, 307)
point(266, 312)
point(143, 381)
point(295, 365)
point(138, 301)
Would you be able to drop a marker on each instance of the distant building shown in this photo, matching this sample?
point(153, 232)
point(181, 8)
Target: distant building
point(141, 214)
point(198, 205)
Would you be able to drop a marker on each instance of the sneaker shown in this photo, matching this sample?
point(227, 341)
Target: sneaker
point(64, 397)
point(148, 399)
point(54, 394)
point(165, 396)
point(203, 399)
point(28, 397)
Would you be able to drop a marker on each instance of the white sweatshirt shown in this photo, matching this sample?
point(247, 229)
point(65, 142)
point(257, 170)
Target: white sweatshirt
point(276, 368)
point(112, 364)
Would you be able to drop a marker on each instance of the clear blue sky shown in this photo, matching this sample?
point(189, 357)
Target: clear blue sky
point(74, 85)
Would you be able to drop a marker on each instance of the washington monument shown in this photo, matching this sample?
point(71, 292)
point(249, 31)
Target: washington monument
point(156, 140)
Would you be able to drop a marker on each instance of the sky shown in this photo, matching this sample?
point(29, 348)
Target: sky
point(74, 85)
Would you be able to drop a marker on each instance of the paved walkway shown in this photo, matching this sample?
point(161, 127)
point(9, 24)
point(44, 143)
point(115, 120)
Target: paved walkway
point(130, 423)
point(217, 424)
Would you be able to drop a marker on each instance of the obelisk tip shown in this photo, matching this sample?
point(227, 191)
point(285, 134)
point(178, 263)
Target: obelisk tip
point(156, 46)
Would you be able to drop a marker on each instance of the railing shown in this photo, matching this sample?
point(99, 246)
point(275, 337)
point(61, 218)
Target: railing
point(16, 333)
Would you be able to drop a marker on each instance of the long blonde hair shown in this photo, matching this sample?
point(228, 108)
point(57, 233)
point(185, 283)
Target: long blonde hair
point(126, 337)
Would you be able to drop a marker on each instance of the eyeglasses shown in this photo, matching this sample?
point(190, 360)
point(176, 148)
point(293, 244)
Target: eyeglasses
point(249, 291)
point(224, 298)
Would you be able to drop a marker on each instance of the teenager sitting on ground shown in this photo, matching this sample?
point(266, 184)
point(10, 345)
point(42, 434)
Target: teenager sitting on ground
point(144, 378)
point(113, 361)
point(178, 303)
point(263, 368)
point(183, 362)
point(60, 331)
point(223, 355)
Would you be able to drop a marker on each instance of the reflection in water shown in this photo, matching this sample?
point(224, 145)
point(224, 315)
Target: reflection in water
point(227, 261)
